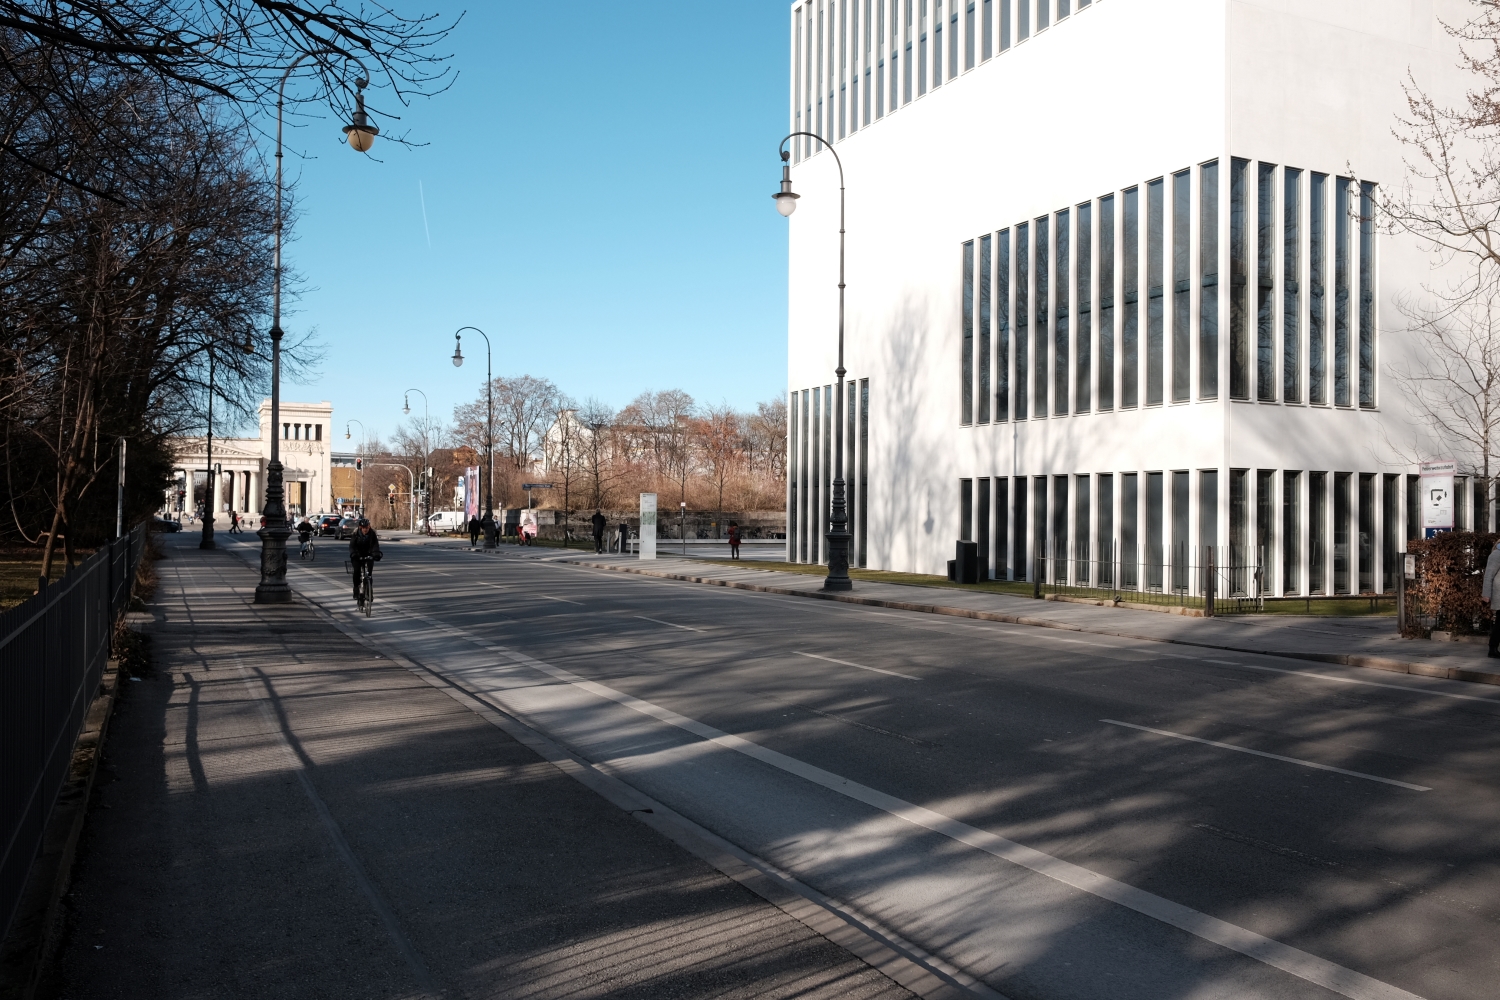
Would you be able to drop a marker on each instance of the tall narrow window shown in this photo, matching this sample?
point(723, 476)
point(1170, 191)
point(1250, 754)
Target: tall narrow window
point(1020, 566)
point(1236, 568)
point(820, 130)
point(1155, 530)
point(862, 520)
point(1129, 552)
point(966, 377)
point(906, 63)
point(1367, 532)
point(816, 497)
point(953, 36)
point(1083, 377)
point(1081, 530)
point(987, 35)
point(1104, 532)
point(1002, 325)
point(793, 464)
point(1265, 528)
point(866, 61)
point(1062, 9)
point(1291, 297)
point(966, 510)
point(1265, 303)
point(1155, 303)
point(937, 42)
point(808, 507)
point(1023, 20)
point(1041, 13)
point(1390, 536)
point(1317, 264)
point(880, 59)
point(830, 417)
point(797, 83)
point(851, 458)
point(1182, 286)
point(843, 69)
point(969, 33)
point(1341, 548)
point(1239, 277)
point(1180, 554)
point(1060, 537)
point(922, 47)
point(1023, 319)
point(1130, 277)
point(1060, 333)
point(1208, 290)
point(1366, 294)
point(1039, 551)
point(1002, 528)
point(984, 330)
point(1004, 24)
point(1317, 532)
point(982, 528)
point(1107, 302)
point(1208, 519)
point(1042, 327)
point(1413, 508)
point(1291, 533)
point(1341, 292)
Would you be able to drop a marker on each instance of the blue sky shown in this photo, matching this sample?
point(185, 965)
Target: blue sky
point(597, 199)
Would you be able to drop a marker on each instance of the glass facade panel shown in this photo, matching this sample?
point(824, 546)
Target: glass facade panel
point(1317, 532)
point(803, 546)
point(966, 510)
point(862, 519)
point(1043, 326)
point(1366, 294)
point(937, 43)
point(1023, 20)
point(966, 366)
point(1107, 302)
point(1042, 10)
point(1291, 532)
point(1155, 301)
point(1130, 277)
point(1004, 24)
point(793, 464)
point(1060, 333)
point(1291, 299)
point(1265, 299)
point(969, 33)
point(1060, 536)
point(987, 32)
point(1002, 529)
point(953, 37)
point(1341, 540)
point(1181, 553)
point(1366, 532)
point(1002, 325)
point(982, 527)
point(1083, 376)
point(1341, 292)
point(1081, 530)
point(1390, 535)
point(1317, 253)
point(1104, 532)
point(1208, 517)
point(1155, 529)
point(1182, 286)
point(1239, 277)
point(1129, 556)
point(1238, 578)
point(921, 47)
point(1265, 525)
point(1208, 291)
point(983, 392)
point(1022, 376)
point(1020, 566)
point(1039, 527)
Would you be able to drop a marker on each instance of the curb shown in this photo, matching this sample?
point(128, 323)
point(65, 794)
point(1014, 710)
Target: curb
point(1389, 664)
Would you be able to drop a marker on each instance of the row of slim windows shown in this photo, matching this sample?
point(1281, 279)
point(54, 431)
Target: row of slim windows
point(810, 443)
point(302, 432)
point(1081, 533)
point(853, 61)
point(1031, 295)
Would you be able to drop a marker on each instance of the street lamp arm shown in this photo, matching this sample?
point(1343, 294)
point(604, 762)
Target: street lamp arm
point(829, 146)
point(489, 427)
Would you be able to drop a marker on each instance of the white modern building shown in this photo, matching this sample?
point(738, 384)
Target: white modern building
point(1116, 285)
point(240, 463)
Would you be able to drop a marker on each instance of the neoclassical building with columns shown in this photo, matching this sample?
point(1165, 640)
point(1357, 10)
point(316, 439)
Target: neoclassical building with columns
point(239, 482)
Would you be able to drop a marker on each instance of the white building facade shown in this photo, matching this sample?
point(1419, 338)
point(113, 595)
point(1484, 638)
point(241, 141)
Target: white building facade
point(1118, 292)
point(240, 480)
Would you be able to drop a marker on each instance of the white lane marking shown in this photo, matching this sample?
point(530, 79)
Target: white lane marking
point(1227, 663)
point(1335, 679)
point(861, 666)
point(685, 628)
point(564, 600)
point(1294, 961)
point(1272, 756)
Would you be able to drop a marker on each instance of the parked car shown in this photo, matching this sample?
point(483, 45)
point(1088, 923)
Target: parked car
point(446, 520)
point(165, 524)
point(347, 527)
point(328, 524)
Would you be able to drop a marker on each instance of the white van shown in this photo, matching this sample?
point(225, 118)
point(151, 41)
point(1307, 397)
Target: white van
point(447, 520)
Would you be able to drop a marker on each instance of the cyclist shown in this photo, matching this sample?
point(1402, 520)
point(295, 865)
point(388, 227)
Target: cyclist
point(304, 535)
point(364, 548)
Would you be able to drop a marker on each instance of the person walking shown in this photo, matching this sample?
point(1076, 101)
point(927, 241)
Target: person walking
point(234, 522)
point(1491, 593)
point(598, 521)
point(734, 539)
point(474, 531)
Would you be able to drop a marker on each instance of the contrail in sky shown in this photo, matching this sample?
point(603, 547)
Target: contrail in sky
point(422, 195)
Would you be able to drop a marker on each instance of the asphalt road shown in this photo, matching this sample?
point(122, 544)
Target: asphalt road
point(1058, 816)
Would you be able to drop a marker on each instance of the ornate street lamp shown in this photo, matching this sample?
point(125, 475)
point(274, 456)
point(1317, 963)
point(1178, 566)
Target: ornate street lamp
point(838, 535)
point(272, 588)
point(489, 427)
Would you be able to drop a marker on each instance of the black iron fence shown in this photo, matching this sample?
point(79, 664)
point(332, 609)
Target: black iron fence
point(53, 649)
point(1219, 579)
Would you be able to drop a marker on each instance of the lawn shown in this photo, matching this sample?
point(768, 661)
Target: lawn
point(18, 575)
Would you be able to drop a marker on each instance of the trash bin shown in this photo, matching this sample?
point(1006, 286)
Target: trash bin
point(966, 562)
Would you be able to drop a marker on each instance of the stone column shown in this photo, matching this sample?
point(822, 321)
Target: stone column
point(218, 507)
point(252, 503)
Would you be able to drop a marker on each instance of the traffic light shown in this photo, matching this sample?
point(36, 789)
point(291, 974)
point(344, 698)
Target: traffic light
point(359, 465)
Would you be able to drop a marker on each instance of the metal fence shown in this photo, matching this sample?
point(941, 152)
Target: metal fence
point(1221, 580)
point(53, 650)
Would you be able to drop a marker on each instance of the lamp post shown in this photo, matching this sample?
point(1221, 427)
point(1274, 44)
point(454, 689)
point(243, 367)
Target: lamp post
point(682, 524)
point(272, 588)
point(426, 422)
point(359, 461)
point(209, 480)
point(489, 426)
point(838, 535)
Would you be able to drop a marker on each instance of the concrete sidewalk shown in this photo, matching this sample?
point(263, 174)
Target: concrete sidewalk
point(1359, 642)
point(286, 812)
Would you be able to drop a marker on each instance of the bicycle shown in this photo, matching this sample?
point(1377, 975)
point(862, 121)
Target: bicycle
point(309, 551)
point(366, 571)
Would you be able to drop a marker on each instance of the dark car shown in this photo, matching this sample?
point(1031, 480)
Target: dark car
point(347, 527)
point(328, 524)
point(165, 524)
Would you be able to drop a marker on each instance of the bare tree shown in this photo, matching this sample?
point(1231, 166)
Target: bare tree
point(598, 455)
point(719, 439)
point(766, 432)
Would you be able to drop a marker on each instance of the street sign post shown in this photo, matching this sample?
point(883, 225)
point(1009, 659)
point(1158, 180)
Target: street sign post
point(648, 525)
point(1437, 496)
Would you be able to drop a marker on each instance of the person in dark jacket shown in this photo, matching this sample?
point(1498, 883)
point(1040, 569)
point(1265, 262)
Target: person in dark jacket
point(734, 540)
point(624, 538)
point(473, 531)
point(598, 521)
point(364, 547)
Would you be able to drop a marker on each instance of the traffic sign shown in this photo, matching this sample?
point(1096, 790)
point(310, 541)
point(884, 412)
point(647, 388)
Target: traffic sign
point(536, 486)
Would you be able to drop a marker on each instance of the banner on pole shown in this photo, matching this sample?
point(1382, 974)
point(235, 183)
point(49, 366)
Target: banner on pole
point(471, 492)
point(648, 525)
